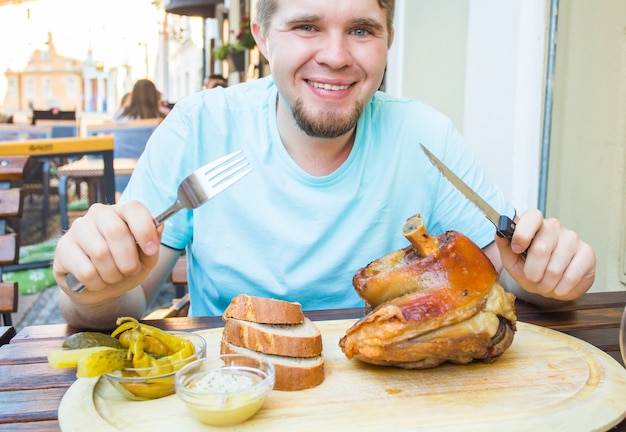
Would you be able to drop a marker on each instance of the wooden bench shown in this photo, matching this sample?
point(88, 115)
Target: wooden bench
point(8, 301)
point(11, 205)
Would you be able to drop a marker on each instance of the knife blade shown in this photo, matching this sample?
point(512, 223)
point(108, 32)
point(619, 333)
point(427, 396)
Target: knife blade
point(504, 225)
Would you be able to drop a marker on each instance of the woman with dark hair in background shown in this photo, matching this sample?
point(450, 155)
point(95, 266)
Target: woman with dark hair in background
point(145, 102)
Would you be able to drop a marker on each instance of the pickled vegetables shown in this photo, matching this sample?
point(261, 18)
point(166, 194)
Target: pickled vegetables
point(102, 362)
point(131, 345)
point(68, 358)
point(90, 339)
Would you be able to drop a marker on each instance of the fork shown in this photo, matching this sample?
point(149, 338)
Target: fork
point(197, 188)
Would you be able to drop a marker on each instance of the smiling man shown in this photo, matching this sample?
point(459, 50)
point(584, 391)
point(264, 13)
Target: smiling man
point(337, 169)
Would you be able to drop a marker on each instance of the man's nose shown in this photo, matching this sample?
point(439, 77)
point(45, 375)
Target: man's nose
point(335, 52)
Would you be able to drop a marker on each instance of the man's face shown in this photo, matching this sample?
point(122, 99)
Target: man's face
point(327, 59)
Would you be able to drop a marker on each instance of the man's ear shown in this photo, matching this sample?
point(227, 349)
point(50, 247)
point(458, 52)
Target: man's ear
point(260, 39)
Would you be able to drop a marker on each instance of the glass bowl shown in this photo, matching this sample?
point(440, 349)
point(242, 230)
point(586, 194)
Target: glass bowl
point(144, 383)
point(226, 389)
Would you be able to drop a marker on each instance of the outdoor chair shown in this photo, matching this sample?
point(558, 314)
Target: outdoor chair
point(23, 132)
point(129, 140)
point(60, 128)
point(52, 114)
point(36, 179)
point(11, 170)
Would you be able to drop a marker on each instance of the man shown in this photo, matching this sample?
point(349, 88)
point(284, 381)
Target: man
point(337, 169)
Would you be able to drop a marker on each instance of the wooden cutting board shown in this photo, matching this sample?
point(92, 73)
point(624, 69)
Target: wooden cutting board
point(546, 380)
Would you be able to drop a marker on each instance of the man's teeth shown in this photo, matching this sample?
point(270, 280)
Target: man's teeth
point(329, 86)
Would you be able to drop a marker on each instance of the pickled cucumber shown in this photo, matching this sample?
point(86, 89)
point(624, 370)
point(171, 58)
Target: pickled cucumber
point(102, 362)
point(91, 339)
point(61, 359)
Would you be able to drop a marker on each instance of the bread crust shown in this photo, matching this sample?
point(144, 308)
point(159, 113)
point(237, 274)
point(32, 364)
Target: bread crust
point(294, 340)
point(278, 331)
point(292, 374)
point(264, 310)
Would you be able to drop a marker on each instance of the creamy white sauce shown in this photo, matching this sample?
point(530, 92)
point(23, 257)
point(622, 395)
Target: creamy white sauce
point(225, 381)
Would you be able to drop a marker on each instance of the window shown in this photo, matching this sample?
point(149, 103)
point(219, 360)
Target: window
point(12, 87)
point(30, 87)
point(70, 87)
point(46, 84)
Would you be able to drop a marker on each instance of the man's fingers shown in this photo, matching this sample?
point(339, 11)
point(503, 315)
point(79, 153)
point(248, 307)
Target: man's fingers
point(109, 246)
point(526, 228)
point(558, 264)
point(579, 275)
point(142, 226)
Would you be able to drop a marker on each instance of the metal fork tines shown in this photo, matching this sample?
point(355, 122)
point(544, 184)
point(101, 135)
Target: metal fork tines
point(197, 188)
point(206, 182)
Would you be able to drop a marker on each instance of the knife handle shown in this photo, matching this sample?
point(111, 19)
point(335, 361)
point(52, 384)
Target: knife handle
point(506, 228)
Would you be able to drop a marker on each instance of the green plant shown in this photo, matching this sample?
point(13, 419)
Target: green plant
point(244, 41)
point(244, 37)
point(221, 52)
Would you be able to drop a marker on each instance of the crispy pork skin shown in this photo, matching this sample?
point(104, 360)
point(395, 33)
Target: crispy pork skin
point(435, 301)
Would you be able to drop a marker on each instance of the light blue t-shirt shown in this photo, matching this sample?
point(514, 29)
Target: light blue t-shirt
point(283, 233)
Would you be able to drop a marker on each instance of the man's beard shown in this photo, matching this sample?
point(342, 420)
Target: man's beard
point(327, 124)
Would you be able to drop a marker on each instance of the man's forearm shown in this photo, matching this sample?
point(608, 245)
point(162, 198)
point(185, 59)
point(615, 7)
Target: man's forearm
point(102, 316)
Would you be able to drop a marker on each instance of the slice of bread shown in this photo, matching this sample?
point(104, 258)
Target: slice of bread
point(264, 310)
point(292, 373)
point(294, 340)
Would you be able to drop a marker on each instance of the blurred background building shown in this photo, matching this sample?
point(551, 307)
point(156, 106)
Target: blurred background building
point(86, 60)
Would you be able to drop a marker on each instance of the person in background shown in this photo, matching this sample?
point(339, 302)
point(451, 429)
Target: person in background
point(213, 81)
point(337, 170)
point(125, 100)
point(143, 102)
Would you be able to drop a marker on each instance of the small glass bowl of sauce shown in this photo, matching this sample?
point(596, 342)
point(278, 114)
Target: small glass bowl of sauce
point(225, 389)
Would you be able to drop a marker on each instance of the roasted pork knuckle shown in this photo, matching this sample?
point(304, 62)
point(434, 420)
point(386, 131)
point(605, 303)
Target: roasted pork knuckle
point(435, 301)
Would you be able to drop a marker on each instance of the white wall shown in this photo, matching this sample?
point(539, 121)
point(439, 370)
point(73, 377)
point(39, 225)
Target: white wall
point(504, 92)
point(429, 54)
point(480, 62)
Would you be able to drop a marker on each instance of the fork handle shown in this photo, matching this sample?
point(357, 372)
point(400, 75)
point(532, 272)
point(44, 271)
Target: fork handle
point(168, 212)
point(74, 284)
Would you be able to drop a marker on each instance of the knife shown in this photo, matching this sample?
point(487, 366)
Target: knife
point(504, 224)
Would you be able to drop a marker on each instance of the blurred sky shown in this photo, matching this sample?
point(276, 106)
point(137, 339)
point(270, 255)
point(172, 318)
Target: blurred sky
point(115, 30)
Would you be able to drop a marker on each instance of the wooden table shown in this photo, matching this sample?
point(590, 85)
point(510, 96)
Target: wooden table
point(31, 391)
point(93, 171)
point(12, 168)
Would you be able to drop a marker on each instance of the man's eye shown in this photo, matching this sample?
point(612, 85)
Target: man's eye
point(306, 27)
point(360, 32)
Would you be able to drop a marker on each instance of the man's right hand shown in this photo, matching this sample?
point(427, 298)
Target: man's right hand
point(110, 250)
